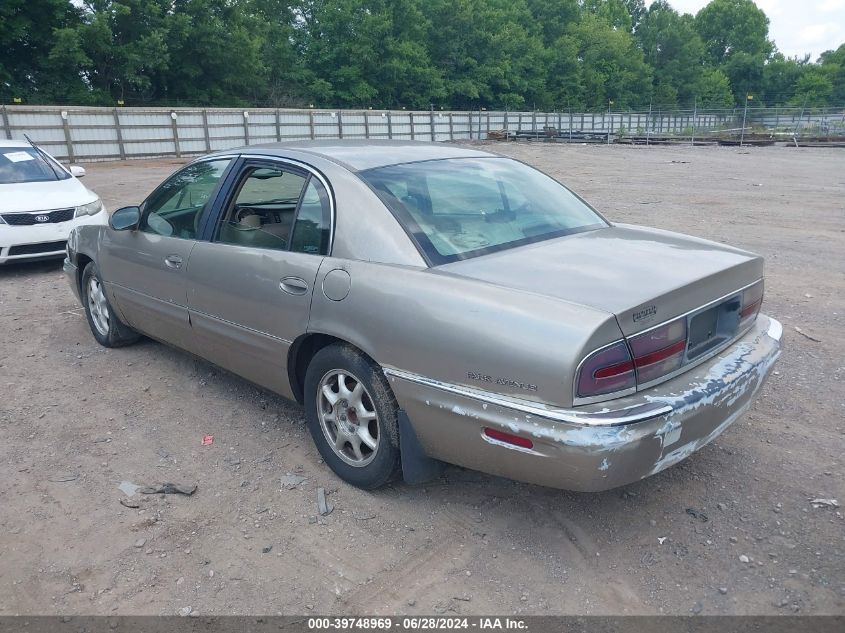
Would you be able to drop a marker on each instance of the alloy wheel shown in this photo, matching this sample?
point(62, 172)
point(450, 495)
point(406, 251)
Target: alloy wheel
point(98, 306)
point(348, 418)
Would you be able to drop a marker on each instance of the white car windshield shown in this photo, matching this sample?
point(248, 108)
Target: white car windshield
point(461, 208)
point(27, 164)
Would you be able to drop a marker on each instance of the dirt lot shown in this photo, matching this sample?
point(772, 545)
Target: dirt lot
point(76, 420)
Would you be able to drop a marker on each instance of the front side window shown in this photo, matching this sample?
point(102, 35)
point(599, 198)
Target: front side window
point(175, 208)
point(26, 164)
point(461, 208)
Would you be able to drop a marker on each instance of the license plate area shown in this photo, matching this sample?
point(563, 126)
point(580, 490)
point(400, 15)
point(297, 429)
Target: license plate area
point(713, 327)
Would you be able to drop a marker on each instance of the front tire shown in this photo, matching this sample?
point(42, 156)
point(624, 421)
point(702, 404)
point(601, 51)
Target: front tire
point(105, 325)
point(352, 416)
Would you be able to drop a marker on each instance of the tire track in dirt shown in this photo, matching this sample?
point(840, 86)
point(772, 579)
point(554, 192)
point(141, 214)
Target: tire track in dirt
point(414, 574)
point(423, 570)
point(610, 591)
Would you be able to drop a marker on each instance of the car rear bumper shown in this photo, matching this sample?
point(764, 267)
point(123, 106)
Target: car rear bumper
point(595, 447)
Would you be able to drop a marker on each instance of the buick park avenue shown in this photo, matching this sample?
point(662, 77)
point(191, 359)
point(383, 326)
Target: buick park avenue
point(429, 303)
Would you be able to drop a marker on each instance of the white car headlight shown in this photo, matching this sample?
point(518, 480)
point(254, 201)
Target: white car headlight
point(92, 208)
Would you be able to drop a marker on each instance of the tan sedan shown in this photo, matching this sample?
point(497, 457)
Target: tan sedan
point(428, 303)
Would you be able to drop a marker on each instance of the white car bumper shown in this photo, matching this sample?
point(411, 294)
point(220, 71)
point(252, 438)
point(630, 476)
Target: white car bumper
point(40, 241)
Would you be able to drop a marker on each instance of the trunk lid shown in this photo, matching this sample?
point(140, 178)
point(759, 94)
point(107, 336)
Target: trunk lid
point(643, 276)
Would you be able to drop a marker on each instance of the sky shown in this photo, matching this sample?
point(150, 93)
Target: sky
point(797, 27)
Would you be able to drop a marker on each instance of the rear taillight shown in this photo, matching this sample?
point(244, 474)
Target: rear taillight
point(608, 370)
point(752, 299)
point(659, 351)
point(655, 354)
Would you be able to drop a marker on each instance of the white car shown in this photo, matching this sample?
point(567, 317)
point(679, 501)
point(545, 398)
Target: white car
point(40, 202)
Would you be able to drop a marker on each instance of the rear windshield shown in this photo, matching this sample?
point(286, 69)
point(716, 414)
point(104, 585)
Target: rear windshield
point(26, 164)
point(464, 207)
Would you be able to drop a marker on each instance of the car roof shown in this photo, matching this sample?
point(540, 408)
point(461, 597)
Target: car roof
point(358, 155)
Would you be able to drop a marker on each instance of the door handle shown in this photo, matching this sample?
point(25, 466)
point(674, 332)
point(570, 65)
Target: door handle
point(293, 285)
point(173, 261)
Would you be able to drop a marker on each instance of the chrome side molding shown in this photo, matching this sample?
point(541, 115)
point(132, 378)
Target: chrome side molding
point(607, 417)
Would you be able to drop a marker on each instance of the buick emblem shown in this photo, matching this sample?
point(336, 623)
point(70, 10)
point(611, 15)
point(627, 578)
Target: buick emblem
point(42, 218)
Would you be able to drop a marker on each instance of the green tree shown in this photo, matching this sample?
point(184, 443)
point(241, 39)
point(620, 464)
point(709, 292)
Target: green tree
point(402, 53)
point(637, 11)
point(118, 48)
point(611, 67)
point(561, 83)
point(833, 57)
point(745, 72)
point(674, 50)
point(287, 75)
point(368, 53)
point(714, 89)
point(613, 12)
point(337, 41)
point(406, 75)
point(780, 76)
point(736, 39)
point(815, 87)
point(215, 50)
point(564, 83)
point(26, 38)
point(554, 17)
point(490, 52)
point(835, 61)
point(728, 27)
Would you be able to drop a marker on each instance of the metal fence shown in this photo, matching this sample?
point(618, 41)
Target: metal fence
point(84, 134)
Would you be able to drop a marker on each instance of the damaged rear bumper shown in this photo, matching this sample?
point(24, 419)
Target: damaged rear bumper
point(595, 447)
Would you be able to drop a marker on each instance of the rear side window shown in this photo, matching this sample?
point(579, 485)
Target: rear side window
point(312, 231)
point(263, 211)
point(277, 207)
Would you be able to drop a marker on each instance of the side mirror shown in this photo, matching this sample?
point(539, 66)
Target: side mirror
point(76, 171)
point(125, 218)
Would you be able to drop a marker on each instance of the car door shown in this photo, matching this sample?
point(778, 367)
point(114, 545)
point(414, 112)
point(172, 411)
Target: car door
point(250, 283)
point(144, 269)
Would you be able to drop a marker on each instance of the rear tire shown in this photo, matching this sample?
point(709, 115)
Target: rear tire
point(352, 416)
point(105, 325)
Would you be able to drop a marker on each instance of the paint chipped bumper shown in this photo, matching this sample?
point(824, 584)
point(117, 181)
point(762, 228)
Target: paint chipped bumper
point(595, 447)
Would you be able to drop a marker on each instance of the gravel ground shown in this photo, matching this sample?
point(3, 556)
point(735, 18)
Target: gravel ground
point(729, 531)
